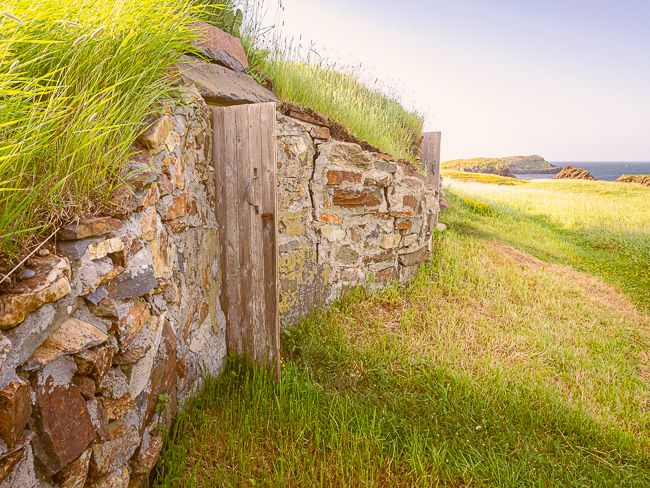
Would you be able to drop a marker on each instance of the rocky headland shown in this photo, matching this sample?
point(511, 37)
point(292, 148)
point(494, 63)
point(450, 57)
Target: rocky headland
point(506, 166)
point(640, 179)
point(573, 173)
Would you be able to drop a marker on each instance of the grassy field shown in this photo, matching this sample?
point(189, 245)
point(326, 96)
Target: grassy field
point(369, 115)
point(491, 368)
point(599, 227)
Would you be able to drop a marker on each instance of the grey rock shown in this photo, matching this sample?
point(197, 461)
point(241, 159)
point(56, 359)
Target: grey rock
point(28, 273)
point(127, 287)
point(222, 86)
point(37, 327)
point(386, 166)
point(97, 296)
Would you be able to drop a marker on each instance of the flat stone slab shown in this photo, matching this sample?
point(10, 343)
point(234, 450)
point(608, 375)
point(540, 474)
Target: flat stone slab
point(220, 47)
point(71, 337)
point(221, 86)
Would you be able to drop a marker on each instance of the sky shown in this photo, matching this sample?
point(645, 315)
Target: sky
point(565, 79)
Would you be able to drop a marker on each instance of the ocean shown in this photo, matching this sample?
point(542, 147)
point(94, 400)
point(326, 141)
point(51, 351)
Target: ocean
point(606, 170)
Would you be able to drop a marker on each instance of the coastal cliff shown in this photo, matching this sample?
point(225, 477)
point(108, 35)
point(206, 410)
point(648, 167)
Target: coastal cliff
point(505, 166)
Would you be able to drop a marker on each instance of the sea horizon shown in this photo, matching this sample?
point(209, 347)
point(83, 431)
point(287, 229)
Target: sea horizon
point(601, 170)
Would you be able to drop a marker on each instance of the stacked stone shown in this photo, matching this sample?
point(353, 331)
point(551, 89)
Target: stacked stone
point(348, 217)
point(113, 331)
point(116, 322)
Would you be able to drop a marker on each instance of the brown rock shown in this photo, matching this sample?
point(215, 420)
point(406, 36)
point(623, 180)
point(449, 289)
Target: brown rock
point(220, 47)
point(137, 348)
point(117, 408)
point(573, 173)
point(9, 461)
point(71, 337)
point(376, 181)
point(387, 274)
point(163, 377)
point(174, 167)
point(350, 199)
point(379, 258)
point(338, 177)
point(415, 258)
point(15, 410)
point(330, 218)
point(130, 324)
point(98, 417)
point(86, 386)
point(63, 425)
point(403, 224)
point(89, 228)
point(95, 362)
point(74, 474)
point(150, 196)
point(220, 85)
point(320, 132)
point(411, 202)
point(639, 179)
point(157, 132)
point(176, 207)
point(146, 457)
point(123, 440)
point(17, 466)
point(48, 285)
point(119, 478)
point(148, 225)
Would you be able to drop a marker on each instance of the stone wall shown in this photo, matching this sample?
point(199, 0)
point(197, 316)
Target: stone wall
point(348, 217)
point(118, 324)
point(112, 326)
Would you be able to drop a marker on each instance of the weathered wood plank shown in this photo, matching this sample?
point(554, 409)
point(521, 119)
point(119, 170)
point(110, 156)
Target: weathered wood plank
point(260, 337)
point(246, 237)
point(232, 199)
point(245, 182)
point(430, 158)
point(219, 165)
point(270, 222)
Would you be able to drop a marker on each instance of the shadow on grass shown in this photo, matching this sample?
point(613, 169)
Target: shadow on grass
point(345, 416)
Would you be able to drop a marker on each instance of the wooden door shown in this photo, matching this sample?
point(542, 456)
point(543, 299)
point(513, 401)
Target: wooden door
point(244, 159)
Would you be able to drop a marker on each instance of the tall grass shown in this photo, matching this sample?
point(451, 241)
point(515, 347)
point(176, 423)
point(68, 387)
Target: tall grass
point(77, 77)
point(483, 371)
point(369, 114)
point(299, 74)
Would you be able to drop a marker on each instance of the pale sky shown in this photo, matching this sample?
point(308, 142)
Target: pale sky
point(566, 79)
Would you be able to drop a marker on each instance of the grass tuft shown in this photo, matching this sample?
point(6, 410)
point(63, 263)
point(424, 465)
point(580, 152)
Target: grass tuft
point(368, 114)
point(76, 80)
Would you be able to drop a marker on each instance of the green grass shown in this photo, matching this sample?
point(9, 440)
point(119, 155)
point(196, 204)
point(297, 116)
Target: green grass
point(77, 79)
point(368, 114)
point(491, 368)
point(483, 178)
point(597, 227)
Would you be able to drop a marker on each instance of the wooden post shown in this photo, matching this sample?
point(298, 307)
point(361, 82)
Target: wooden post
point(430, 158)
